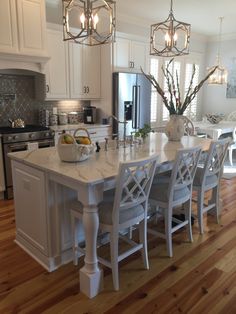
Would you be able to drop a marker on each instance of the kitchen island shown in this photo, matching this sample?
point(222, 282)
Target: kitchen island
point(44, 187)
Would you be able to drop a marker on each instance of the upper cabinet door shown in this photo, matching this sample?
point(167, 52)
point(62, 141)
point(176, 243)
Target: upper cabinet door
point(92, 71)
point(85, 72)
point(57, 67)
point(130, 55)
point(122, 56)
point(31, 26)
point(8, 26)
point(77, 88)
point(139, 55)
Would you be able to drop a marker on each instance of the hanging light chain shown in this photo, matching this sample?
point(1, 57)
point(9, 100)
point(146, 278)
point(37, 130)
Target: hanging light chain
point(219, 41)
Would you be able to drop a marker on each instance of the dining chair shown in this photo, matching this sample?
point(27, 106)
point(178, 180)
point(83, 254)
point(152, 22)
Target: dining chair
point(207, 178)
point(174, 191)
point(188, 126)
point(121, 210)
point(232, 147)
point(232, 116)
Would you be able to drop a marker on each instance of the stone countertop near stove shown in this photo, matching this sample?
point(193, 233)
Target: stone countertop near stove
point(71, 127)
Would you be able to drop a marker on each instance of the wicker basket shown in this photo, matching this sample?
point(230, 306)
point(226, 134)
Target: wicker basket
point(74, 152)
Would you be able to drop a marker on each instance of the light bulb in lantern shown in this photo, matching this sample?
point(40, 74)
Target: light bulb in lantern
point(175, 37)
point(95, 21)
point(167, 39)
point(82, 20)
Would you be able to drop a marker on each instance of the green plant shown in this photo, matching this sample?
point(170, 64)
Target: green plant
point(143, 132)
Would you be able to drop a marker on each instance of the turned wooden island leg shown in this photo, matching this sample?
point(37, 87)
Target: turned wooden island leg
point(91, 276)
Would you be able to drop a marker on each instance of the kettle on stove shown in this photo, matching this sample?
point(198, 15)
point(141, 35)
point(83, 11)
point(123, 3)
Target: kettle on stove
point(18, 123)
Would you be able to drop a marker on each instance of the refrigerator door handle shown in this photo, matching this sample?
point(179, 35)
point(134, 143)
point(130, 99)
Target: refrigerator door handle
point(138, 106)
point(134, 111)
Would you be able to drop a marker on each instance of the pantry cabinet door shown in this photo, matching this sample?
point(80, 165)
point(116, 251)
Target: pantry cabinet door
point(8, 26)
point(31, 26)
point(57, 77)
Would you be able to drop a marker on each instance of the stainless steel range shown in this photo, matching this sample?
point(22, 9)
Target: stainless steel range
point(18, 139)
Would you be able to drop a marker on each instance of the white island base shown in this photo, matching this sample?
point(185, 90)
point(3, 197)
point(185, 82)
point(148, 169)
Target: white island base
point(44, 188)
point(43, 226)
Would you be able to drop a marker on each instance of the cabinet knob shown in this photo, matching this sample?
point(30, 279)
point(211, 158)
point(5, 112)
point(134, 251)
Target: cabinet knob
point(47, 88)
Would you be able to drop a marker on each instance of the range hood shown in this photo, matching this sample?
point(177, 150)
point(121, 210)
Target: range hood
point(39, 80)
point(23, 62)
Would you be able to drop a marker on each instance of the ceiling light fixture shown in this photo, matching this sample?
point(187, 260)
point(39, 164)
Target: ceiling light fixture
point(220, 74)
point(89, 22)
point(171, 34)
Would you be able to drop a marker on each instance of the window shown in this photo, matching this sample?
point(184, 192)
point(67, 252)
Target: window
point(184, 70)
point(191, 111)
point(173, 68)
point(154, 95)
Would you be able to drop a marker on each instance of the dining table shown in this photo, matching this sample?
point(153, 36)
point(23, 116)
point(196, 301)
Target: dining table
point(214, 131)
point(44, 186)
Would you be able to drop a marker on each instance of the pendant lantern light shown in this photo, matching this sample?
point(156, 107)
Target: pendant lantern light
point(220, 75)
point(89, 22)
point(170, 38)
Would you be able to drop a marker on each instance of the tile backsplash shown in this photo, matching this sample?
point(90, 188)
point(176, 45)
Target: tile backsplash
point(19, 99)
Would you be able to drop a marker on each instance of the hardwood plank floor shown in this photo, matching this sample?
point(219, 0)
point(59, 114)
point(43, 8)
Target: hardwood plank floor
point(200, 278)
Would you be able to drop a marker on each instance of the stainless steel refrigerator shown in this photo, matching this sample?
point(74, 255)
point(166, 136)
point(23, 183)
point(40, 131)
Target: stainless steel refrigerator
point(131, 100)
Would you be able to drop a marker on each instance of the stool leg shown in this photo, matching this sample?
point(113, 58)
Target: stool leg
point(200, 205)
point(143, 240)
point(168, 234)
point(187, 213)
point(114, 259)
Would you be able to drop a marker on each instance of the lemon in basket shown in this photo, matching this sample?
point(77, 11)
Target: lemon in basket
point(83, 140)
point(67, 139)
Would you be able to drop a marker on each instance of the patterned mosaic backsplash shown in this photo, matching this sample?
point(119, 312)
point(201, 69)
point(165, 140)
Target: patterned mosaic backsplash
point(19, 98)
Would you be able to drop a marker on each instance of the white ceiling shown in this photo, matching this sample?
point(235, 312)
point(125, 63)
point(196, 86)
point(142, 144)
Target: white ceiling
point(201, 14)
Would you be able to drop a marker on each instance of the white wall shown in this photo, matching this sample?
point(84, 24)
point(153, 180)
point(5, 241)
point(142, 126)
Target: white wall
point(214, 96)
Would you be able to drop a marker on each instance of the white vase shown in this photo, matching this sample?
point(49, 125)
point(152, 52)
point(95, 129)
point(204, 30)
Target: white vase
point(175, 128)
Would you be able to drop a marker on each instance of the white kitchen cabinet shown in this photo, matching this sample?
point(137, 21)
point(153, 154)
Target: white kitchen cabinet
point(130, 54)
point(57, 76)
point(8, 26)
point(31, 206)
point(23, 25)
point(85, 71)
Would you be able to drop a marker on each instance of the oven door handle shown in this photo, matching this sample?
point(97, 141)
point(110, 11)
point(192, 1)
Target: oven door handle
point(18, 147)
point(24, 146)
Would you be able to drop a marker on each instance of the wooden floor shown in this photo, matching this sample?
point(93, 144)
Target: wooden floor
point(200, 278)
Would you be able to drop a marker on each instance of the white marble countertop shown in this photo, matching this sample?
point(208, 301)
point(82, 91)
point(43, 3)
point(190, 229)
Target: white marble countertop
point(71, 127)
point(104, 165)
